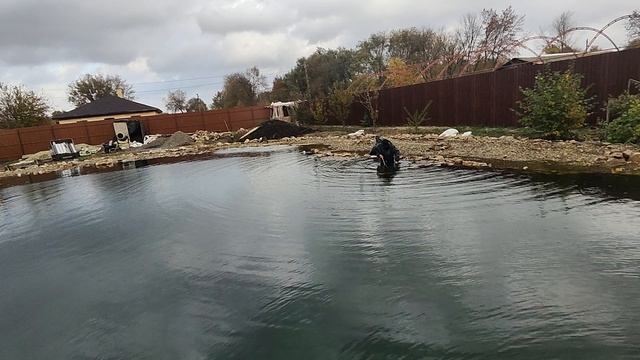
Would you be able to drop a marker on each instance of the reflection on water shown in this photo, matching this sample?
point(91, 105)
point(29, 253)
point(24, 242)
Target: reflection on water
point(277, 255)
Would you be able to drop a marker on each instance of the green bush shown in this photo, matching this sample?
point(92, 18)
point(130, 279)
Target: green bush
point(304, 115)
point(625, 128)
point(319, 110)
point(619, 105)
point(556, 105)
point(339, 102)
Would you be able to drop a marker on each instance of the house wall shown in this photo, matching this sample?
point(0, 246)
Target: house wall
point(100, 118)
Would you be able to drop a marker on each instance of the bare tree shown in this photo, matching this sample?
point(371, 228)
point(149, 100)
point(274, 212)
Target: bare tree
point(176, 101)
point(257, 80)
point(468, 36)
point(366, 91)
point(560, 27)
point(501, 31)
point(633, 26)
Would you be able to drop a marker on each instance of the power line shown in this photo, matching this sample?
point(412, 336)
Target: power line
point(177, 88)
point(190, 79)
point(171, 81)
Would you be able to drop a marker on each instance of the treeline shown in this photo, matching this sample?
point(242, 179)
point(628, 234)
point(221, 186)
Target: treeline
point(21, 107)
point(402, 57)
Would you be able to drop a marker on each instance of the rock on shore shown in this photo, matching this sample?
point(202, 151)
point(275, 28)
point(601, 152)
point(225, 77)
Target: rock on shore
point(420, 150)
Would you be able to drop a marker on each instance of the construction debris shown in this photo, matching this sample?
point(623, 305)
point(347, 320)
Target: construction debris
point(87, 150)
point(202, 136)
point(40, 156)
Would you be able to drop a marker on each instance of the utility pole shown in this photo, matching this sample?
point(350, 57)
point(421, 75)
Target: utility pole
point(199, 103)
point(306, 75)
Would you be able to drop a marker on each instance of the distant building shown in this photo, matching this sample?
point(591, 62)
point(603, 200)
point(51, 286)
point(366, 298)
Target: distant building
point(108, 107)
point(551, 58)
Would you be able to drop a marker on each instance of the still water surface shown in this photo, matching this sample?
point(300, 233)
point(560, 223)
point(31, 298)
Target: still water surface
point(280, 256)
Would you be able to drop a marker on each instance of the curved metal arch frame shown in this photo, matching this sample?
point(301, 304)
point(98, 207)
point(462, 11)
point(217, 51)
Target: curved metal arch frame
point(522, 44)
point(604, 28)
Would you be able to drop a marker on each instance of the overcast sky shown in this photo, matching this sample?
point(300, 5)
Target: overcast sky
point(161, 45)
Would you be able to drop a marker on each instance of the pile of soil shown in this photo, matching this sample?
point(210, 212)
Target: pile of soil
point(176, 140)
point(275, 129)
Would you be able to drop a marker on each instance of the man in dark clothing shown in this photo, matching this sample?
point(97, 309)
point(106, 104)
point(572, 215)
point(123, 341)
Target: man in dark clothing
point(388, 155)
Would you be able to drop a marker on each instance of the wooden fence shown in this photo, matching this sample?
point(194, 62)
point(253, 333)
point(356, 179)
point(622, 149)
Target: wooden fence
point(488, 99)
point(16, 142)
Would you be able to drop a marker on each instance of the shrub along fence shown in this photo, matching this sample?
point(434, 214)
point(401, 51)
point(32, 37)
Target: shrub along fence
point(16, 142)
point(488, 99)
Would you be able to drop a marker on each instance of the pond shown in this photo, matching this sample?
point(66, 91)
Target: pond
point(276, 255)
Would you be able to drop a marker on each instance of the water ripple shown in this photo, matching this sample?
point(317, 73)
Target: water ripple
point(267, 253)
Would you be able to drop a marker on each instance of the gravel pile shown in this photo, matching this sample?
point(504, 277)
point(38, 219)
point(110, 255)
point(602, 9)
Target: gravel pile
point(176, 140)
point(169, 142)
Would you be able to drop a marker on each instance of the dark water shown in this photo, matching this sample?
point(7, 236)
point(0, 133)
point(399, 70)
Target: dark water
point(280, 256)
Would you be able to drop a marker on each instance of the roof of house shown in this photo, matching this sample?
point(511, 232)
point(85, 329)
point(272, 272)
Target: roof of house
point(108, 105)
point(549, 58)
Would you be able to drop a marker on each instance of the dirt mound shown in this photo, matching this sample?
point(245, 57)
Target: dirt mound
point(275, 129)
point(155, 144)
point(176, 140)
point(169, 142)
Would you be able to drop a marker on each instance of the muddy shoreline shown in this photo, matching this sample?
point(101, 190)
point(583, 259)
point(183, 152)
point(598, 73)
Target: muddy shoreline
point(418, 150)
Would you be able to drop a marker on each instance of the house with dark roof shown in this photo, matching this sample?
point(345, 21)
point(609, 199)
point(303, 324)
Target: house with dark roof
point(108, 107)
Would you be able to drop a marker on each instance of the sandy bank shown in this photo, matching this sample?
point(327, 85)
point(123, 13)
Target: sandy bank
point(506, 152)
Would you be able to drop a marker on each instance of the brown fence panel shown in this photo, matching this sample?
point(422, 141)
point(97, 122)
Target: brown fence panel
point(10, 147)
point(463, 101)
point(217, 121)
point(430, 93)
point(100, 131)
point(78, 132)
point(241, 118)
point(36, 138)
point(483, 102)
point(161, 124)
point(260, 114)
point(447, 103)
point(190, 122)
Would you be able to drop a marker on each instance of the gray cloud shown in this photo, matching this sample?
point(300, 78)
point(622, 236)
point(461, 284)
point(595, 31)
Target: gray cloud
point(42, 31)
point(257, 16)
point(46, 44)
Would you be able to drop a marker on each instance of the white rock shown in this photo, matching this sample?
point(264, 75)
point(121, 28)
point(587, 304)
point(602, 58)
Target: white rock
point(449, 133)
point(356, 134)
point(466, 134)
